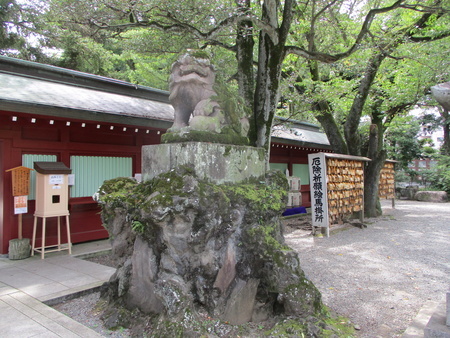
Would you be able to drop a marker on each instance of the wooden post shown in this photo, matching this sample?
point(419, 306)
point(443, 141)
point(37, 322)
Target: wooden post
point(20, 248)
point(20, 226)
point(20, 187)
point(362, 210)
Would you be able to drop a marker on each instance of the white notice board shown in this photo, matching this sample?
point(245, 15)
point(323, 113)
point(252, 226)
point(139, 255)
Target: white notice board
point(20, 204)
point(56, 179)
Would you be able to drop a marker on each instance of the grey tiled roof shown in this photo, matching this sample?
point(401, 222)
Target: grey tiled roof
point(306, 136)
point(35, 88)
point(41, 92)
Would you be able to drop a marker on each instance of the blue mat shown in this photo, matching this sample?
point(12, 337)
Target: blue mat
point(294, 211)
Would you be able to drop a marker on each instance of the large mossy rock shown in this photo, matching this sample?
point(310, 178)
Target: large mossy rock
point(431, 196)
point(187, 247)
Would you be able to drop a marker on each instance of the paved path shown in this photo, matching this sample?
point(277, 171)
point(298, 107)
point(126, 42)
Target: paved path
point(381, 276)
point(26, 284)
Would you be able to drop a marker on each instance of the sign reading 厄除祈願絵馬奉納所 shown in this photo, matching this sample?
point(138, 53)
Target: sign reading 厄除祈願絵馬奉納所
point(318, 183)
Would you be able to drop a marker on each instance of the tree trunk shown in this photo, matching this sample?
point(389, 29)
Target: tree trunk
point(328, 123)
point(244, 57)
point(266, 93)
point(371, 181)
point(323, 108)
point(353, 119)
point(446, 127)
point(271, 53)
point(373, 170)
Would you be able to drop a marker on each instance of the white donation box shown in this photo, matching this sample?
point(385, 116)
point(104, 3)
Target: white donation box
point(52, 189)
point(52, 200)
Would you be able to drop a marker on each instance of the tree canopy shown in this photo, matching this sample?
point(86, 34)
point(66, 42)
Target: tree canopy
point(251, 41)
point(352, 65)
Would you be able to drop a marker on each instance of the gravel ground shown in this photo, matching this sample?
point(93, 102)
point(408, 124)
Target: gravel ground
point(382, 275)
point(86, 311)
point(379, 276)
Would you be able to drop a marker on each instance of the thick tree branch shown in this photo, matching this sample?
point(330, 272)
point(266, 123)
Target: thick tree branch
point(287, 21)
point(418, 7)
point(352, 122)
point(439, 36)
point(231, 48)
point(176, 25)
point(329, 58)
point(326, 119)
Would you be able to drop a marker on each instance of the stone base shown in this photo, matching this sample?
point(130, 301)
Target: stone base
point(217, 163)
point(447, 315)
point(436, 327)
point(19, 248)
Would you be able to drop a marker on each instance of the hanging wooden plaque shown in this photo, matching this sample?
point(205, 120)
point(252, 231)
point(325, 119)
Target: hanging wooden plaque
point(20, 181)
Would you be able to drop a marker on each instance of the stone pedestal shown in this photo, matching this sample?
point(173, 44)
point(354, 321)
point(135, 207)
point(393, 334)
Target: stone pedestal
point(190, 246)
point(436, 327)
point(447, 322)
point(216, 163)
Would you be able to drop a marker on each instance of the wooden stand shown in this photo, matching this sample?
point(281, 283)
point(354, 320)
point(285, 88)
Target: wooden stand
point(59, 246)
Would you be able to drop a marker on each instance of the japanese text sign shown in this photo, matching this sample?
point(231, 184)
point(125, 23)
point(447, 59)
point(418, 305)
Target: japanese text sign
point(318, 184)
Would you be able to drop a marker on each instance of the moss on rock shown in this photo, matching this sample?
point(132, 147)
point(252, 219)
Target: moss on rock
point(189, 230)
point(116, 190)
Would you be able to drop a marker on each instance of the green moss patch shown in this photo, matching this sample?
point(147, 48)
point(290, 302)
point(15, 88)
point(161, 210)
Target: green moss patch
point(324, 327)
point(116, 190)
point(161, 191)
point(260, 196)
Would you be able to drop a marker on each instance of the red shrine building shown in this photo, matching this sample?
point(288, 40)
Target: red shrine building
point(96, 126)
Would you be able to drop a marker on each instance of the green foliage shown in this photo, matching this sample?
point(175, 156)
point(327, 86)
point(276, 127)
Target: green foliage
point(137, 41)
point(402, 176)
point(440, 179)
point(401, 140)
point(86, 55)
point(8, 39)
point(20, 31)
point(138, 226)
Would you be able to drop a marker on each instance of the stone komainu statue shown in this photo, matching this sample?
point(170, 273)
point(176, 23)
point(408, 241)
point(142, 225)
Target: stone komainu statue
point(199, 103)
